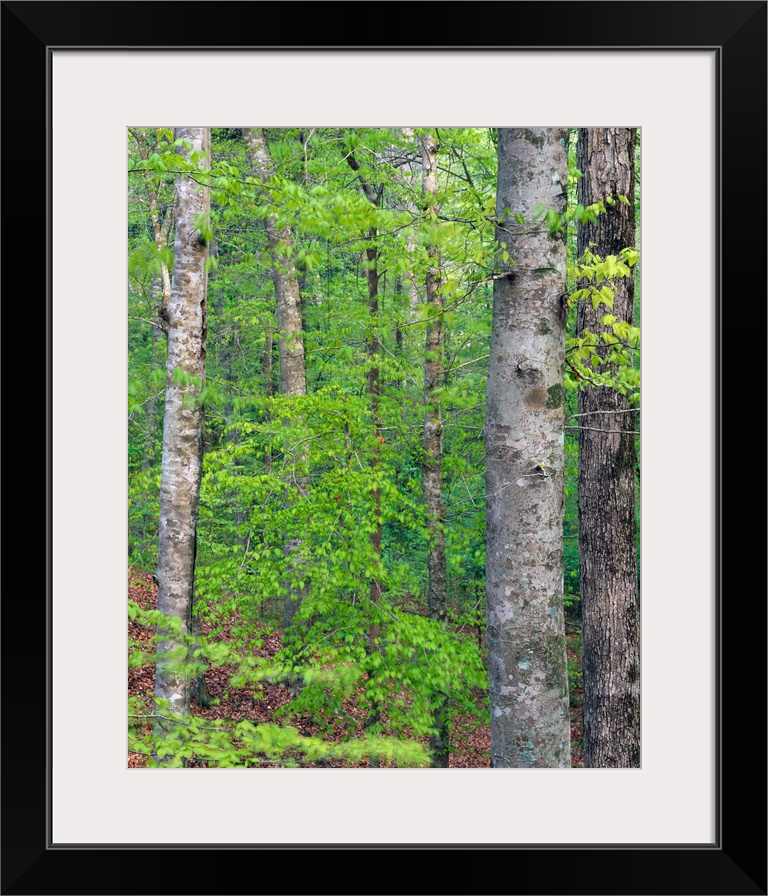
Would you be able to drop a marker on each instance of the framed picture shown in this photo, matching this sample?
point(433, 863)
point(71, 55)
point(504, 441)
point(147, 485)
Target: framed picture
point(693, 79)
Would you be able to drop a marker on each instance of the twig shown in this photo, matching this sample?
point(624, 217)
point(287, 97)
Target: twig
point(154, 323)
point(620, 432)
point(590, 413)
point(464, 364)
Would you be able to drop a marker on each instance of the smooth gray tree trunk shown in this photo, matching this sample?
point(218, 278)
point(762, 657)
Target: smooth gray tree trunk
point(607, 463)
point(432, 464)
point(530, 725)
point(293, 378)
point(183, 425)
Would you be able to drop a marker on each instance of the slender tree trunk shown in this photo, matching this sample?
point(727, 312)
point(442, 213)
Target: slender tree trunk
point(410, 246)
point(373, 389)
point(374, 393)
point(607, 531)
point(269, 391)
point(432, 464)
point(374, 374)
point(159, 230)
point(530, 725)
point(199, 689)
point(293, 379)
point(183, 426)
point(161, 287)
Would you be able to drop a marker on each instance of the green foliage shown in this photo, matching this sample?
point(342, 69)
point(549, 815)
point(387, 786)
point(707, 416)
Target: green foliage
point(401, 661)
point(295, 486)
point(607, 358)
point(168, 739)
point(172, 741)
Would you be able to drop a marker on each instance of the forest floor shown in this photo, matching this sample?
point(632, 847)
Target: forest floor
point(259, 703)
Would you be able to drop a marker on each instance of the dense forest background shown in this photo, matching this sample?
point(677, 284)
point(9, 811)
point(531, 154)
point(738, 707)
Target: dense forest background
point(339, 538)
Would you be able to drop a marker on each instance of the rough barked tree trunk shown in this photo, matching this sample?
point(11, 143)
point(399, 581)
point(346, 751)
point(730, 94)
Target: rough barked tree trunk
point(183, 426)
point(373, 388)
point(530, 724)
point(290, 346)
point(607, 461)
point(432, 464)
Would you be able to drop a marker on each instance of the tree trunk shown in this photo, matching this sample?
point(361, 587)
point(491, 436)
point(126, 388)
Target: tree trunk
point(269, 391)
point(161, 287)
point(530, 725)
point(374, 393)
point(290, 346)
point(432, 464)
point(373, 378)
point(373, 389)
point(607, 461)
point(183, 426)
point(160, 231)
point(200, 690)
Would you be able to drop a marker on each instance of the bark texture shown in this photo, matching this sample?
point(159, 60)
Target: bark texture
point(183, 424)
point(607, 462)
point(432, 464)
point(293, 380)
point(530, 725)
point(290, 347)
point(373, 388)
point(373, 385)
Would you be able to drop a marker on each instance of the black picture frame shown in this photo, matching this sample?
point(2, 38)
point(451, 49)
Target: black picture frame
point(736, 862)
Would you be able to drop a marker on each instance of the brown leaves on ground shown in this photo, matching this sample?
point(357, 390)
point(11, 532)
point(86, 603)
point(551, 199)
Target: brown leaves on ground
point(258, 703)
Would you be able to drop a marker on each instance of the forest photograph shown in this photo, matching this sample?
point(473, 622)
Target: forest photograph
point(383, 447)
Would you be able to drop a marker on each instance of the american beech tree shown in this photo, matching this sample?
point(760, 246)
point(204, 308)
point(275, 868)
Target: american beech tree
point(607, 462)
point(293, 378)
point(530, 724)
point(183, 423)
